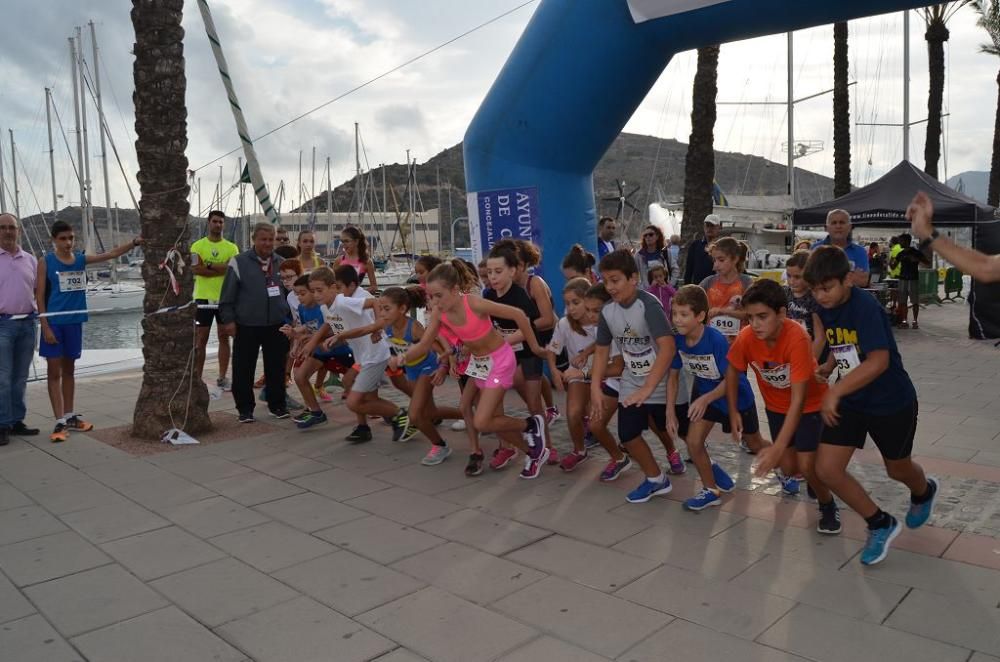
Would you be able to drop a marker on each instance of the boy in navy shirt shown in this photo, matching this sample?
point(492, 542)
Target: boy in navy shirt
point(872, 395)
point(701, 351)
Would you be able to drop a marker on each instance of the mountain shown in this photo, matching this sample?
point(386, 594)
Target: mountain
point(632, 158)
point(636, 159)
point(973, 183)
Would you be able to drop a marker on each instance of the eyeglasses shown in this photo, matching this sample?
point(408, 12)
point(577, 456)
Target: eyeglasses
point(648, 235)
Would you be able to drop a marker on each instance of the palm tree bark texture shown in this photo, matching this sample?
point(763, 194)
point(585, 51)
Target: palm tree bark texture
point(699, 165)
point(989, 20)
point(841, 113)
point(169, 396)
point(936, 18)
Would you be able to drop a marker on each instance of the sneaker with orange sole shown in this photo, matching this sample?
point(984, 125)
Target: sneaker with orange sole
point(77, 424)
point(59, 433)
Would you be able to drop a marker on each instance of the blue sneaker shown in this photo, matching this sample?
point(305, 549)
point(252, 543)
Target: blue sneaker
point(315, 418)
point(877, 545)
point(704, 499)
point(789, 485)
point(919, 513)
point(723, 481)
point(648, 489)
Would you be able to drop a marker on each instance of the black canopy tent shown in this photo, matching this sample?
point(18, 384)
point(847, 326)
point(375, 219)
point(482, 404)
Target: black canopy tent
point(883, 203)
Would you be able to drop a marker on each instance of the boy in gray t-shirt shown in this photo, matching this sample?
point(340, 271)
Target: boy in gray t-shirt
point(637, 322)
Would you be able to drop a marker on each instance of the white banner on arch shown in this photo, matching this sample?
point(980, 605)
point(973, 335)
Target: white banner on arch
point(648, 10)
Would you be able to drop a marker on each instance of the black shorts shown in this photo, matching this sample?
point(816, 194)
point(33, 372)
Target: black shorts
point(683, 424)
point(205, 316)
point(531, 367)
point(633, 421)
point(807, 435)
point(893, 433)
point(751, 423)
point(608, 391)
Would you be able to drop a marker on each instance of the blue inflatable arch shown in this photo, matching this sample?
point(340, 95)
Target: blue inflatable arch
point(575, 77)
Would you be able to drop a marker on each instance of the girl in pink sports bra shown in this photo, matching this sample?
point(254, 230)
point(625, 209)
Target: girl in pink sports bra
point(355, 247)
point(491, 361)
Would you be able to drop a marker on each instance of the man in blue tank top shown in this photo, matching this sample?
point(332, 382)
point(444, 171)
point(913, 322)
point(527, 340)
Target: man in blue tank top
point(61, 295)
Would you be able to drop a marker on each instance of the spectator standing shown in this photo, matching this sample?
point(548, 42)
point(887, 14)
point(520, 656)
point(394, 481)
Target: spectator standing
point(606, 243)
point(210, 258)
point(699, 263)
point(652, 252)
point(18, 275)
point(838, 233)
point(253, 307)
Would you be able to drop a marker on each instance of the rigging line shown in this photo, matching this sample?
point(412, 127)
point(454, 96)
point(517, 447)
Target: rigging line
point(37, 204)
point(374, 80)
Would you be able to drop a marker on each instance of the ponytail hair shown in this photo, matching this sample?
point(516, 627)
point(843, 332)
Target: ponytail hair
point(454, 273)
point(579, 259)
point(734, 249)
point(529, 254)
point(411, 297)
point(359, 237)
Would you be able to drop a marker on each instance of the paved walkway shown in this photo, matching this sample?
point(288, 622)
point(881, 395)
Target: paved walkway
point(292, 546)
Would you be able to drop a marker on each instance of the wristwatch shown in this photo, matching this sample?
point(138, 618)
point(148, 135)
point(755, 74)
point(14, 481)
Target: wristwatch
point(925, 244)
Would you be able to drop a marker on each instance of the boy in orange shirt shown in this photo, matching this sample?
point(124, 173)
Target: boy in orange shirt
point(780, 352)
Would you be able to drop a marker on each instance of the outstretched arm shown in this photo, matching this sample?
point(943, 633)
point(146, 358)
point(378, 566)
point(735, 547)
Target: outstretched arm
point(982, 267)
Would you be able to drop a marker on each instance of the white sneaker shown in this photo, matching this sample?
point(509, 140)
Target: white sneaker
point(458, 426)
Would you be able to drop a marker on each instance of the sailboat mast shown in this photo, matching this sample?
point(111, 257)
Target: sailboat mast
point(329, 209)
point(85, 166)
point(357, 173)
point(52, 154)
point(437, 184)
point(312, 192)
point(791, 118)
point(113, 229)
point(298, 194)
point(87, 232)
point(239, 173)
point(3, 197)
point(906, 85)
point(384, 202)
point(13, 164)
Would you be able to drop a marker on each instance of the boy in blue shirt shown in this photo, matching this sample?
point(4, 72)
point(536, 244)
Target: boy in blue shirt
point(62, 288)
point(701, 352)
point(872, 395)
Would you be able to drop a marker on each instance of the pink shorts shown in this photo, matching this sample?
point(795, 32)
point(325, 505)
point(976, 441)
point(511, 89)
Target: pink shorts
point(495, 370)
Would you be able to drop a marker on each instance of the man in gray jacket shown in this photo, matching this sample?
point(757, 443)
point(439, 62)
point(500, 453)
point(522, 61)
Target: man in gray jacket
point(253, 307)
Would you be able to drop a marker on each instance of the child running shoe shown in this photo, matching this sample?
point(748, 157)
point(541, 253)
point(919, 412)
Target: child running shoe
point(829, 518)
point(533, 466)
point(723, 480)
point(77, 424)
point(322, 395)
point(315, 418)
point(919, 513)
point(789, 484)
point(501, 458)
point(535, 436)
point(702, 500)
point(475, 465)
point(458, 426)
point(648, 489)
point(572, 460)
point(360, 435)
point(553, 457)
point(676, 463)
point(745, 447)
point(400, 423)
point(436, 455)
point(552, 414)
point(59, 433)
point(614, 469)
point(877, 546)
point(304, 416)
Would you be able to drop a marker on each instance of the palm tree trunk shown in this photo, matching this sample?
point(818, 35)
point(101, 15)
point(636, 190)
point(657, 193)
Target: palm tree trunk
point(169, 396)
point(841, 113)
point(699, 166)
point(937, 33)
point(993, 198)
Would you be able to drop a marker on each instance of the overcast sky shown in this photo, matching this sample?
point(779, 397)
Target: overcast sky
point(287, 57)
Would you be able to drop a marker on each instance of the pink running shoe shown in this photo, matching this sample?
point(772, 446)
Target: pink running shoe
point(573, 460)
point(501, 458)
point(322, 395)
point(532, 468)
point(676, 463)
point(552, 414)
point(553, 457)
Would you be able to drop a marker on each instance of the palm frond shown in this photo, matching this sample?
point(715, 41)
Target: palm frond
point(989, 21)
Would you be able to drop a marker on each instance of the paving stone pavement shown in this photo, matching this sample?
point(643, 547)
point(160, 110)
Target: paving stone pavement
point(290, 546)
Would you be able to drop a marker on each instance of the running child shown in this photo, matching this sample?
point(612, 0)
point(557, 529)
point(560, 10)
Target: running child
point(872, 396)
point(701, 352)
point(802, 307)
point(502, 266)
point(62, 287)
point(635, 319)
point(492, 364)
point(424, 372)
point(597, 297)
point(725, 289)
point(347, 310)
point(423, 267)
point(780, 354)
point(574, 333)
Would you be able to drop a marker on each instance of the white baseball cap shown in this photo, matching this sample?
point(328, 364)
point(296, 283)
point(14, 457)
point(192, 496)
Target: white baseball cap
point(713, 219)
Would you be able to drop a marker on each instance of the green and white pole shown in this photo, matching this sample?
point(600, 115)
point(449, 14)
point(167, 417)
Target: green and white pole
point(253, 166)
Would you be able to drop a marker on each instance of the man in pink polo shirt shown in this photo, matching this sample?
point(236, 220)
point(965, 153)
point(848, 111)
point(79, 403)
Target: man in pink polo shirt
point(18, 271)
